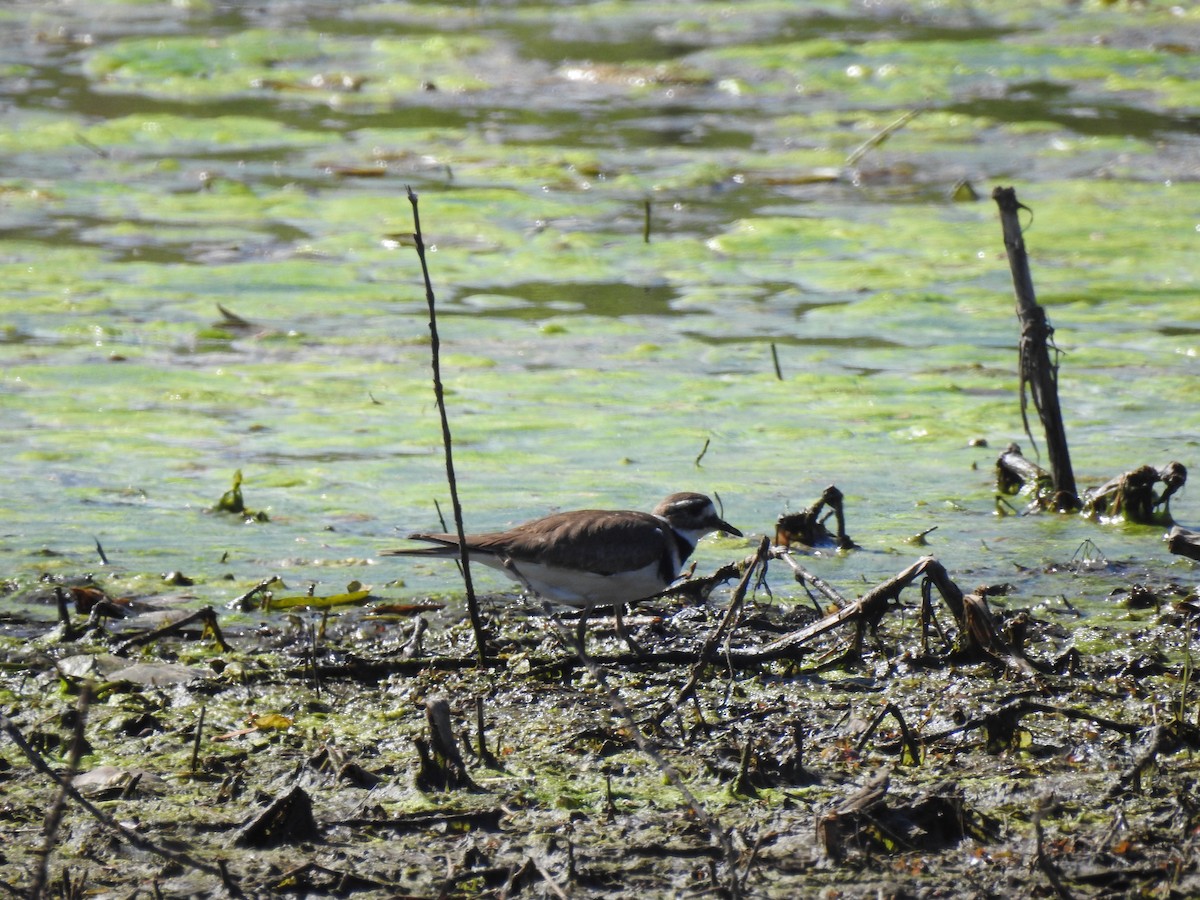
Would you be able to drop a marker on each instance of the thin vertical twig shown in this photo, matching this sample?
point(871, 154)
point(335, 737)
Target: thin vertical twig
point(447, 443)
point(55, 813)
point(197, 738)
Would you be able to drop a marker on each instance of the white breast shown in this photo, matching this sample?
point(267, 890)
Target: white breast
point(574, 588)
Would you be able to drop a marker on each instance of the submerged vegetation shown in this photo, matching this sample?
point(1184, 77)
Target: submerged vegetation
point(743, 248)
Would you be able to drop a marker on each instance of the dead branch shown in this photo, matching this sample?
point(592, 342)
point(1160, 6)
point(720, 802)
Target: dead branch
point(1131, 495)
point(1046, 865)
point(208, 616)
point(806, 578)
point(1017, 475)
point(808, 527)
point(1000, 725)
point(978, 632)
point(1183, 542)
point(439, 394)
point(1037, 372)
point(439, 819)
point(55, 812)
point(867, 610)
point(979, 627)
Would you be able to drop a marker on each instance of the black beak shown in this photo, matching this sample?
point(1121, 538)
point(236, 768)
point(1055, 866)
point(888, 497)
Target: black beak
point(728, 529)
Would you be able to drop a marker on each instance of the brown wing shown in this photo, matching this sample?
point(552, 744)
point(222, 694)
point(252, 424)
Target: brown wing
point(602, 541)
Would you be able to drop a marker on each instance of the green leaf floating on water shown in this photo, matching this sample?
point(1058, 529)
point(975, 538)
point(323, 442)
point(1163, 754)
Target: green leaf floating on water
point(346, 599)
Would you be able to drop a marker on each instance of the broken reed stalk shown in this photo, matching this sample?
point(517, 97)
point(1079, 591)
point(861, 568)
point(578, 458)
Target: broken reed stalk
point(1038, 373)
point(447, 444)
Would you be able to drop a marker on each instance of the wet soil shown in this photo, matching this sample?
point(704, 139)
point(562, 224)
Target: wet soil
point(288, 763)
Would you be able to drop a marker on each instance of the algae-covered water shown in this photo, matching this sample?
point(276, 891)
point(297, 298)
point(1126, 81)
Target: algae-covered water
point(161, 160)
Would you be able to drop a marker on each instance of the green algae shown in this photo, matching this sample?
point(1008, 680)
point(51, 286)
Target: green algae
point(302, 65)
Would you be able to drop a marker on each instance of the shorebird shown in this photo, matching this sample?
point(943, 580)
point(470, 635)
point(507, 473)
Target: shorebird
point(591, 557)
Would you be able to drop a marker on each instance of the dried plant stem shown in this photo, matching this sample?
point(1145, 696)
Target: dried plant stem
point(447, 443)
point(1038, 373)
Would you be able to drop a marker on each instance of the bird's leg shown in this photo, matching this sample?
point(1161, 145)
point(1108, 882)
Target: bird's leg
point(619, 623)
point(581, 628)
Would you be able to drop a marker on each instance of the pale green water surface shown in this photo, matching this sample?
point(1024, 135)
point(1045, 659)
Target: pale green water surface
point(158, 159)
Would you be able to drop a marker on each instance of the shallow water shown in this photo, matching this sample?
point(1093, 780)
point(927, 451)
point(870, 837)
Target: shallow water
point(159, 160)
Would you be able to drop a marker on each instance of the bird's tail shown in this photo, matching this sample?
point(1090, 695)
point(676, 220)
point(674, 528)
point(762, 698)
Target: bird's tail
point(446, 546)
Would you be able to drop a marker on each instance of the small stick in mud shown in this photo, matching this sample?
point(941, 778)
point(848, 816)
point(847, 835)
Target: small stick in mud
point(67, 630)
point(910, 745)
point(485, 755)
point(742, 787)
point(1161, 740)
point(197, 738)
point(1046, 865)
point(1037, 372)
point(442, 767)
